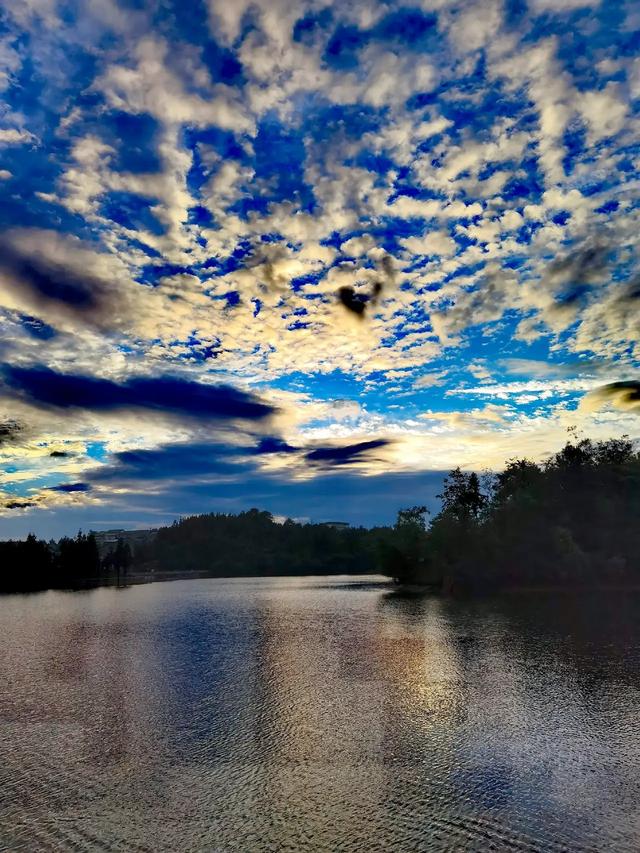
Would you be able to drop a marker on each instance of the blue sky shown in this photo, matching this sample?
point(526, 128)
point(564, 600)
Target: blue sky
point(307, 256)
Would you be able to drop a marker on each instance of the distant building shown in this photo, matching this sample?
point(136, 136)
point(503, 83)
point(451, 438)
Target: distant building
point(107, 540)
point(337, 525)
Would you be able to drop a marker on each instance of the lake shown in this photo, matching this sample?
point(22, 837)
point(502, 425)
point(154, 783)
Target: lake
point(321, 714)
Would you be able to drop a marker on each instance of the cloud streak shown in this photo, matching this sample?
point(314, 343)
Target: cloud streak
point(168, 394)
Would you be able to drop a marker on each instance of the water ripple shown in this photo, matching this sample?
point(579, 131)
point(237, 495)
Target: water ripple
point(317, 715)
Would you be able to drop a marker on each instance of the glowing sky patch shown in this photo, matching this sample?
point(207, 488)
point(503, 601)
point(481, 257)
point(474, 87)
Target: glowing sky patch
point(240, 239)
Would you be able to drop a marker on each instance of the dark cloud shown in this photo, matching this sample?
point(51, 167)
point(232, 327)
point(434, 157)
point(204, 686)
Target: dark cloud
point(9, 429)
point(56, 279)
point(37, 328)
point(574, 294)
point(632, 291)
point(347, 454)
point(48, 280)
point(59, 454)
point(72, 487)
point(201, 462)
point(187, 460)
point(581, 263)
point(622, 395)
point(352, 301)
point(358, 302)
point(167, 394)
point(193, 461)
point(271, 444)
point(18, 504)
point(573, 276)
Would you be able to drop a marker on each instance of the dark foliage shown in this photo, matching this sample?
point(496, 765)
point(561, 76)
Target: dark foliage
point(119, 559)
point(572, 521)
point(25, 565)
point(32, 565)
point(252, 543)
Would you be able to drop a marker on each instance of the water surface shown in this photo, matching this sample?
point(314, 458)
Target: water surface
point(317, 715)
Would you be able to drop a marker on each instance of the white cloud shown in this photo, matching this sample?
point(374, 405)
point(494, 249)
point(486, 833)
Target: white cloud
point(563, 5)
point(358, 246)
point(540, 390)
point(604, 111)
point(429, 380)
point(476, 25)
point(14, 136)
point(432, 243)
point(153, 87)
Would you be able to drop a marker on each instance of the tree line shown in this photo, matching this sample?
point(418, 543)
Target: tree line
point(252, 543)
point(573, 520)
point(219, 545)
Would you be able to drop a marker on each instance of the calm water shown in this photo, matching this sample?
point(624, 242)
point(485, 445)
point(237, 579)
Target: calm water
point(317, 715)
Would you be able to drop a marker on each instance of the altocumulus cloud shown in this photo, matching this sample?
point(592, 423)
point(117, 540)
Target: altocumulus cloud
point(369, 202)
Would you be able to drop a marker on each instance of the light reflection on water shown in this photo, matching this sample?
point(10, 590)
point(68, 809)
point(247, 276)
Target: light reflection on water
point(313, 715)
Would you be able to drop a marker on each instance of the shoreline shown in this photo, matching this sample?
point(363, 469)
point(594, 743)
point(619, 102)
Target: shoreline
point(385, 583)
point(143, 578)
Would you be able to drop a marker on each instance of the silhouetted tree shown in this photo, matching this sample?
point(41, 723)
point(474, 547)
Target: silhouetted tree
point(403, 554)
point(77, 559)
point(252, 543)
point(25, 566)
point(572, 520)
point(461, 496)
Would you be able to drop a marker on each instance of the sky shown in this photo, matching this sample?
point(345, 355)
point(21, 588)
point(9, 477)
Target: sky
point(308, 256)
